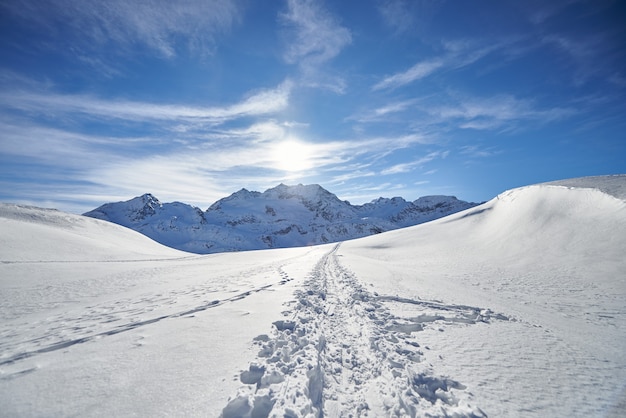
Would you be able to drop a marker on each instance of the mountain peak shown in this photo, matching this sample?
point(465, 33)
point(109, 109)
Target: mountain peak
point(282, 216)
point(436, 201)
point(145, 205)
point(385, 201)
point(240, 195)
point(243, 193)
point(149, 198)
point(309, 192)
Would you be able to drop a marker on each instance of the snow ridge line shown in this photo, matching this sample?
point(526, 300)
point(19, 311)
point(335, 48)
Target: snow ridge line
point(342, 353)
point(59, 345)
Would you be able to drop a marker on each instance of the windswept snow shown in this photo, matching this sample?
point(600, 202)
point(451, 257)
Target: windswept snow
point(512, 308)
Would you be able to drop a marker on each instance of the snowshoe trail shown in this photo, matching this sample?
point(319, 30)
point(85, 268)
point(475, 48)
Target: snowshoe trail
point(341, 352)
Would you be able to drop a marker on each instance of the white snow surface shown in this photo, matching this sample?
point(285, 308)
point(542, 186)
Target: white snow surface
point(513, 308)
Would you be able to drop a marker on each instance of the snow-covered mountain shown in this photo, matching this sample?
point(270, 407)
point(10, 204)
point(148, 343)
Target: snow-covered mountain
point(280, 217)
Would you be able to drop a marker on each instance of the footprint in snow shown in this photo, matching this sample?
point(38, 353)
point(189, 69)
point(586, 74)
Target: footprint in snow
point(343, 352)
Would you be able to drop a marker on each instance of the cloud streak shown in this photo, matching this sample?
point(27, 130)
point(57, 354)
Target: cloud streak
point(314, 37)
point(262, 102)
point(458, 54)
point(497, 112)
point(404, 16)
point(317, 37)
point(451, 110)
point(159, 25)
point(416, 72)
point(408, 167)
point(384, 112)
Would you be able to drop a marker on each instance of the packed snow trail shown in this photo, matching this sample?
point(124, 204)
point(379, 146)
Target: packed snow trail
point(340, 352)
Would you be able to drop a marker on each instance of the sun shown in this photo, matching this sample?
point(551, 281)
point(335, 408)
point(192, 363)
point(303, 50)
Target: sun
point(292, 155)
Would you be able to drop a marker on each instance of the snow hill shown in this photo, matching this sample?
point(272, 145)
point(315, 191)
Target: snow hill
point(284, 216)
point(511, 308)
point(29, 232)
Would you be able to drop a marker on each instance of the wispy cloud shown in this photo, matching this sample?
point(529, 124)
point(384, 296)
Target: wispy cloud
point(50, 146)
point(396, 14)
point(402, 16)
point(318, 37)
point(350, 175)
point(457, 54)
point(314, 38)
point(159, 25)
point(384, 112)
point(393, 107)
point(497, 112)
point(262, 102)
point(410, 166)
point(416, 72)
point(463, 52)
point(540, 12)
point(434, 114)
point(591, 56)
point(476, 151)
point(384, 145)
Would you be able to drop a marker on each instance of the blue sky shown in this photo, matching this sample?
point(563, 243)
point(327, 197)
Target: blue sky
point(193, 100)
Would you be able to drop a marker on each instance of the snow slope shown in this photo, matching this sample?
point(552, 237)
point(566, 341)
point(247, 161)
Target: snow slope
point(551, 258)
point(35, 234)
point(512, 308)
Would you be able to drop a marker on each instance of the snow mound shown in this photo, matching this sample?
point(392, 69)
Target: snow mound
point(549, 256)
point(36, 234)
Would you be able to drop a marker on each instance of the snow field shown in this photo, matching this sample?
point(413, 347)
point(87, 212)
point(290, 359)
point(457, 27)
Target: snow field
point(513, 308)
point(149, 336)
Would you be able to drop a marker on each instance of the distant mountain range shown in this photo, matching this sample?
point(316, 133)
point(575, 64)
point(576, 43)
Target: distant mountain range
point(280, 217)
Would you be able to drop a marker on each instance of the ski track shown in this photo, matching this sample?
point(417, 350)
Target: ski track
point(342, 352)
point(93, 322)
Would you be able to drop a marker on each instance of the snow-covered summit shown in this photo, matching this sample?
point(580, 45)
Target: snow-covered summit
point(136, 209)
point(403, 213)
point(243, 194)
point(310, 192)
point(282, 216)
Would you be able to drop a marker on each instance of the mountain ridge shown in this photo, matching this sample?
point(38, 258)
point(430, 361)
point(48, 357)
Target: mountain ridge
point(280, 217)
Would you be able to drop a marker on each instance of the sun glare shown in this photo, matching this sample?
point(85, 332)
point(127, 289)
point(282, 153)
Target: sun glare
point(292, 156)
